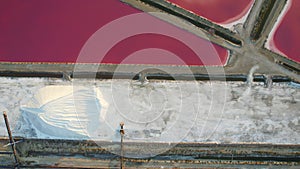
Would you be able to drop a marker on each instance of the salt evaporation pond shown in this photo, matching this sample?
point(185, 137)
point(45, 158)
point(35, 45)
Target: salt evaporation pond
point(228, 112)
point(218, 11)
point(55, 31)
point(285, 35)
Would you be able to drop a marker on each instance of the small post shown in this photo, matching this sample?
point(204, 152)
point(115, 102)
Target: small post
point(12, 142)
point(122, 133)
point(268, 81)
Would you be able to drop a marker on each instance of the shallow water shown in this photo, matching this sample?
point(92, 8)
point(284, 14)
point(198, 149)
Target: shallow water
point(218, 11)
point(56, 31)
point(287, 35)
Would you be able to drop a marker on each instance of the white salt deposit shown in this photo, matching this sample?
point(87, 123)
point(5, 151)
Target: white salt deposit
point(52, 111)
point(157, 111)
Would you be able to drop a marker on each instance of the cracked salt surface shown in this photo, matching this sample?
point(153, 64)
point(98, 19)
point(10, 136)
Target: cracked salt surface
point(157, 111)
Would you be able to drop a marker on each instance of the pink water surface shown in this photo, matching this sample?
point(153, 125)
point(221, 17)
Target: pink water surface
point(56, 31)
point(219, 11)
point(287, 35)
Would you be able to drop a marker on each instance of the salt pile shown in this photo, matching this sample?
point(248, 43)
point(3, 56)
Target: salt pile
point(52, 111)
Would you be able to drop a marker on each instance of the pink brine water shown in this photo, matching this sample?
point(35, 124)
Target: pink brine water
point(286, 35)
point(218, 11)
point(56, 31)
